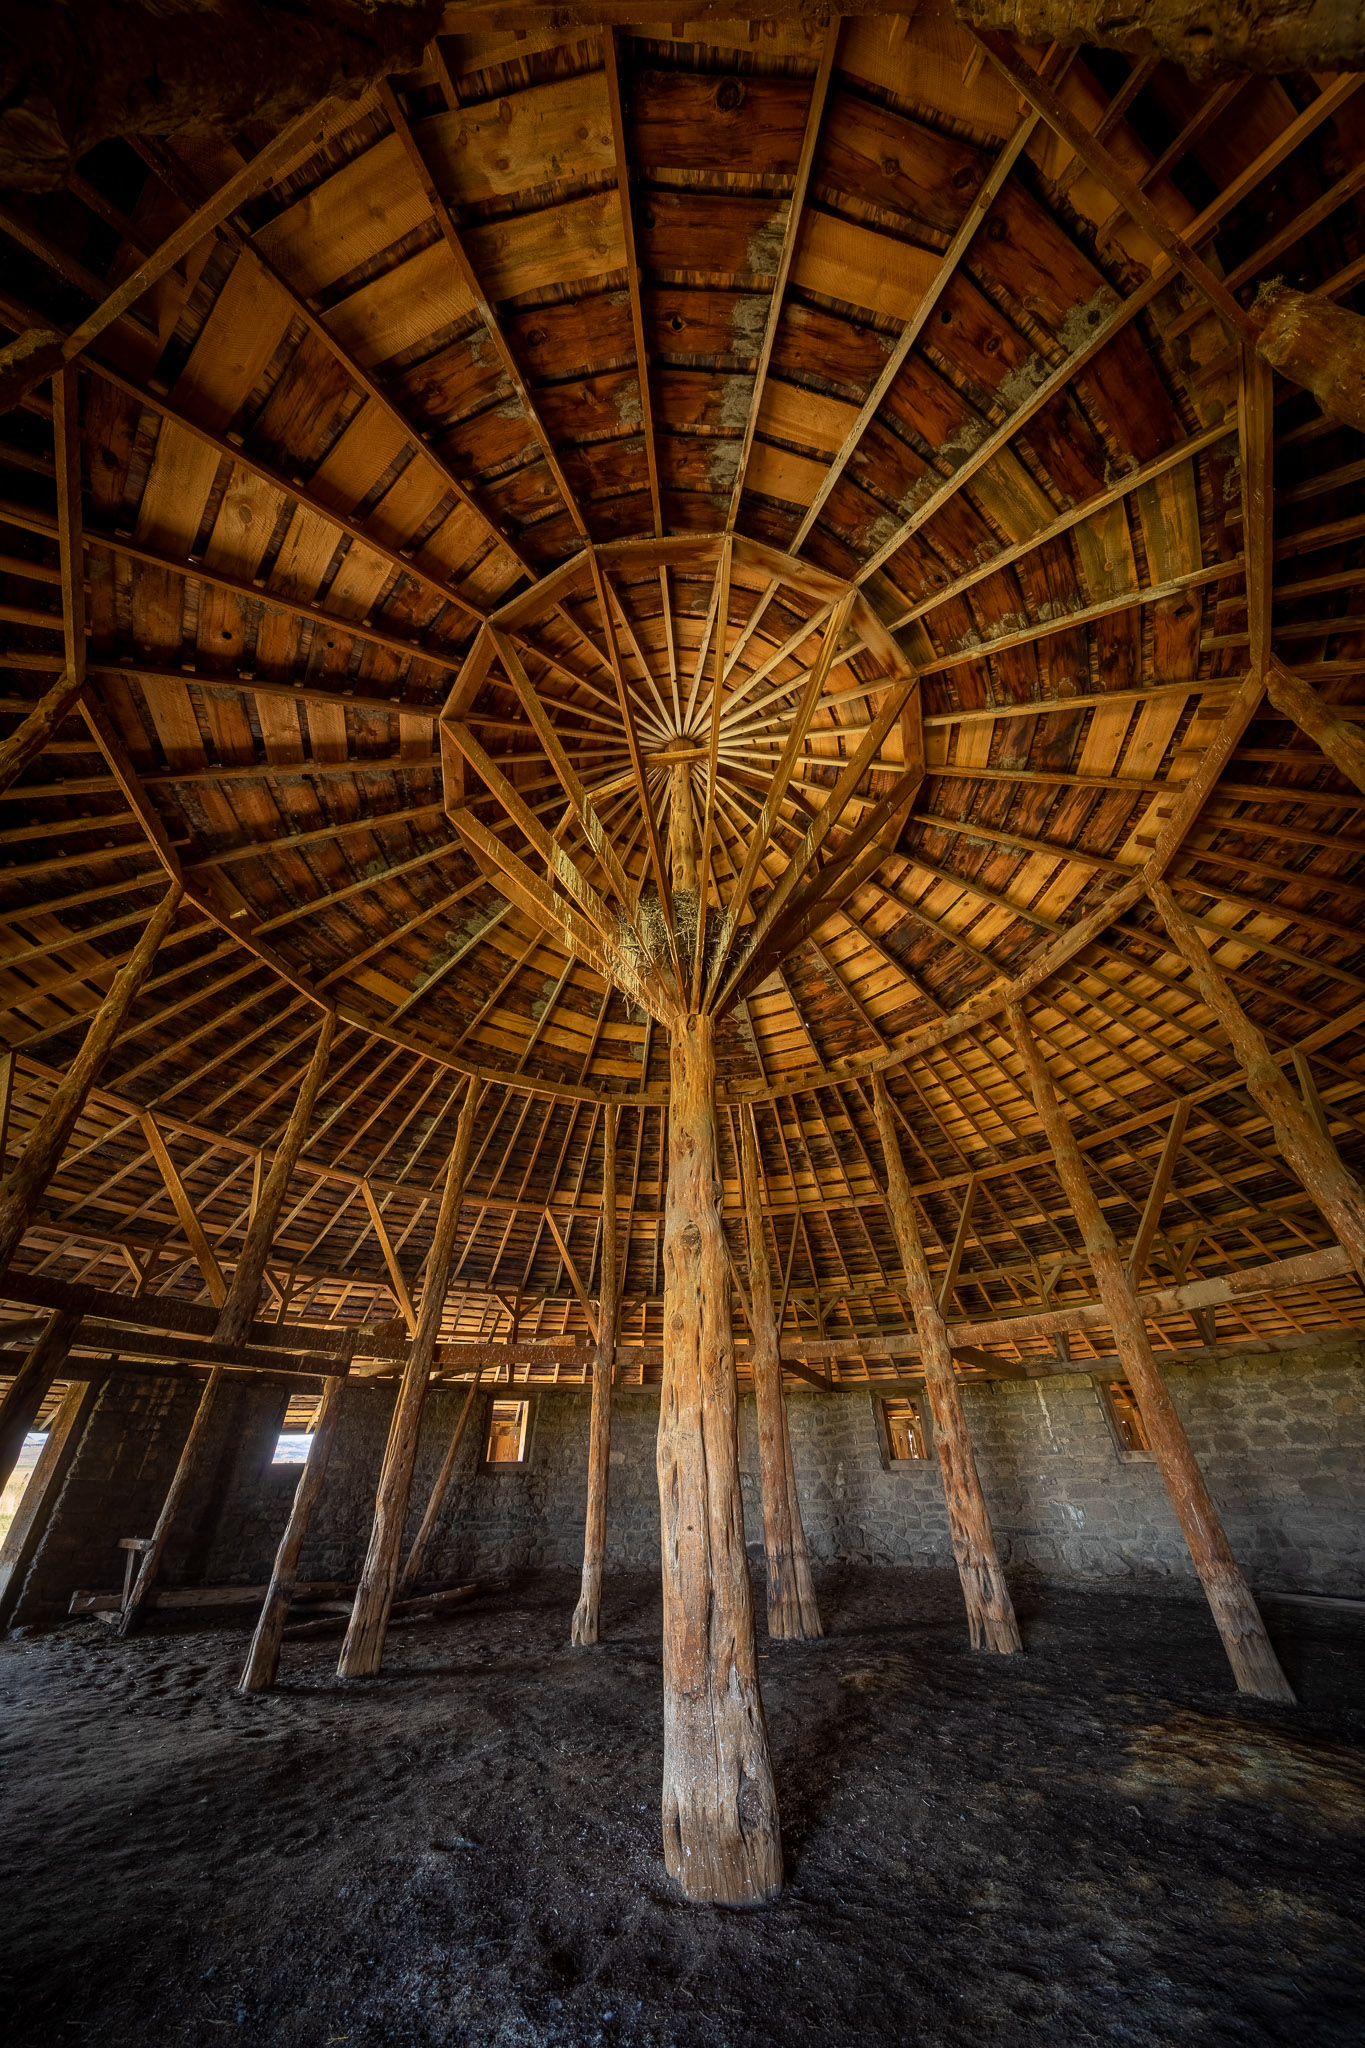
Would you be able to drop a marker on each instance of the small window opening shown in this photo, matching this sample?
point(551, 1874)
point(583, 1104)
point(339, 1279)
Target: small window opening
point(295, 1440)
point(16, 1485)
point(507, 1433)
point(905, 1432)
point(1125, 1419)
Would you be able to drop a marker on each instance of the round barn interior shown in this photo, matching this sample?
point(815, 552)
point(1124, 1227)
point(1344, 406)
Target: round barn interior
point(682, 800)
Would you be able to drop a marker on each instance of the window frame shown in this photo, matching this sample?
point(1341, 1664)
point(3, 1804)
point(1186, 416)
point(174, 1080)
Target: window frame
point(890, 1462)
point(508, 1466)
point(1127, 1453)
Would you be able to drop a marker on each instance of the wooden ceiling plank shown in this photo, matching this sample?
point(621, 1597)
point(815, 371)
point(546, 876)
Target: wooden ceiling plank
point(454, 242)
point(180, 181)
point(294, 143)
point(972, 220)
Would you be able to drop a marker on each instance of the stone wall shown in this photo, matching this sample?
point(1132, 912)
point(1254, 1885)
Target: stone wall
point(1281, 1445)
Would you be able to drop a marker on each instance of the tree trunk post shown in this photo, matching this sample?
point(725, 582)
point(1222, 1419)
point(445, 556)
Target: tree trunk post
point(792, 1609)
point(23, 1186)
point(170, 1507)
point(1339, 739)
point(587, 1614)
point(412, 1570)
point(1308, 1151)
point(362, 1653)
point(29, 1388)
point(1254, 1664)
point(991, 1623)
point(722, 1841)
point(236, 1315)
point(263, 1658)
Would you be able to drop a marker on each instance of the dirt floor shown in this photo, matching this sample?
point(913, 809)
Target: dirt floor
point(1095, 1842)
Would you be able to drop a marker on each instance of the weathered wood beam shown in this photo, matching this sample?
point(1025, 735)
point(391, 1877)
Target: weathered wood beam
point(981, 205)
point(440, 1487)
point(741, 978)
point(722, 1841)
point(27, 741)
point(1322, 721)
point(1157, 1193)
point(1234, 192)
point(38, 354)
point(1308, 1152)
point(762, 832)
point(585, 1627)
point(793, 1612)
point(611, 63)
point(362, 1652)
point(1206, 41)
point(1243, 1283)
point(195, 1236)
point(31, 1517)
point(1316, 343)
point(597, 836)
point(1099, 161)
point(722, 624)
point(400, 1285)
point(26, 1182)
point(263, 1658)
point(1254, 1663)
point(575, 1278)
point(990, 1611)
point(796, 206)
point(188, 1464)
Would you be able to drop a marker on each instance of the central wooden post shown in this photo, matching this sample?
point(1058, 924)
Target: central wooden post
point(586, 1615)
point(990, 1611)
point(792, 1608)
point(721, 1836)
point(362, 1653)
point(1254, 1663)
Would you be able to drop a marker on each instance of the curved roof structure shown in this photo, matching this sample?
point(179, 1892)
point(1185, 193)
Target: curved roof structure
point(813, 423)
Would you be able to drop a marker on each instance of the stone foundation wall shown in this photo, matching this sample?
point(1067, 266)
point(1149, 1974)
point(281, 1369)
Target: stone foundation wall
point(1282, 1446)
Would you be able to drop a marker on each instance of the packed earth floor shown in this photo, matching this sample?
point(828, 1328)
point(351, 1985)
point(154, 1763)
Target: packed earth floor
point(1095, 1842)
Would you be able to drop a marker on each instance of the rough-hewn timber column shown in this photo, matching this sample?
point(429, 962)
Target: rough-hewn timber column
point(28, 1389)
point(1309, 1152)
point(170, 1507)
point(42, 1153)
point(362, 1653)
point(792, 1608)
point(412, 1570)
point(1254, 1664)
point(1315, 342)
point(586, 1615)
point(1340, 741)
point(990, 1611)
point(263, 1658)
point(721, 1837)
point(235, 1316)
